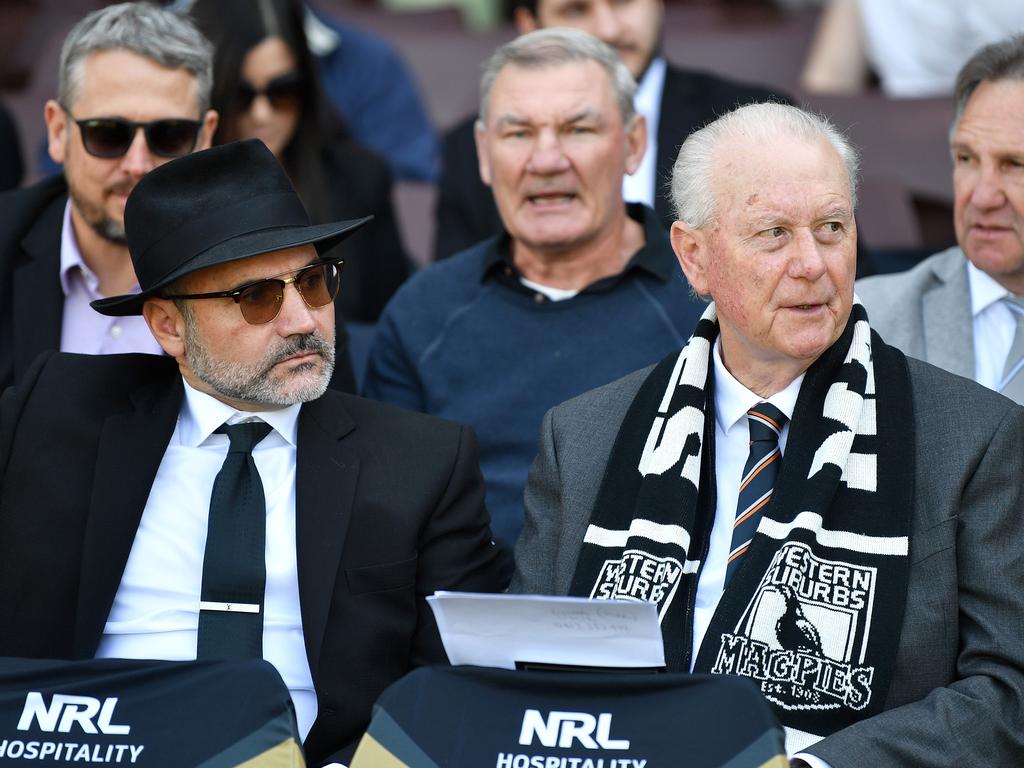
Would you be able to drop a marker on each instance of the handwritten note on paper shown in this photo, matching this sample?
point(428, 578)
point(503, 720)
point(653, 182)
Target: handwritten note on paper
point(498, 630)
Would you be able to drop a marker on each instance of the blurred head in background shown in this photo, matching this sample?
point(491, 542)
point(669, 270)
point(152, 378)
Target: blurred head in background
point(266, 86)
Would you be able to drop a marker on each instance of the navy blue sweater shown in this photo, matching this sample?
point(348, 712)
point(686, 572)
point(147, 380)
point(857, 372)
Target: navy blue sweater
point(466, 340)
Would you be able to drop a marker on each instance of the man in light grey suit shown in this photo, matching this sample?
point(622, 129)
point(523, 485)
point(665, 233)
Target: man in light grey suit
point(956, 309)
point(801, 501)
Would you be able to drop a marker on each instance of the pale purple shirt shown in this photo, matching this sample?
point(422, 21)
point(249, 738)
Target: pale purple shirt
point(83, 329)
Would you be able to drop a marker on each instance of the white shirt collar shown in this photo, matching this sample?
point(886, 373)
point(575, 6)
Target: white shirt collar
point(733, 400)
point(648, 92)
point(985, 291)
point(201, 414)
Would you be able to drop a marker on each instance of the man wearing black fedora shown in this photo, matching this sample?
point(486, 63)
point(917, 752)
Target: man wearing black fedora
point(220, 501)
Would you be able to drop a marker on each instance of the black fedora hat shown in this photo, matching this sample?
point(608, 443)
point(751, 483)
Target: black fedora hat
point(211, 207)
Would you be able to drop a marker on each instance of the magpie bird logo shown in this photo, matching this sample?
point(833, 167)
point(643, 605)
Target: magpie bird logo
point(794, 631)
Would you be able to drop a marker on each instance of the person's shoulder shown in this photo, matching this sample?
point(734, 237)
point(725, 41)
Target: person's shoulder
point(129, 369)
point(88, 381)
point(361, 178)
point(938, 266)
point(392, 424)
point(351, 156)
point(19, 208)
point(610, 400)
point(944, 394)
point(356, 41)
point(445, 285)
point(460, 135)
point(34, 196)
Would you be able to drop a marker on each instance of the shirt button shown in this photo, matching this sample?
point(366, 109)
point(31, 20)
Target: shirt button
point(116, 331)
point(538, 298)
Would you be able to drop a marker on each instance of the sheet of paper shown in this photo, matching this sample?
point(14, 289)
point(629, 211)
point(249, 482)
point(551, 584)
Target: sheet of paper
point(498, 630)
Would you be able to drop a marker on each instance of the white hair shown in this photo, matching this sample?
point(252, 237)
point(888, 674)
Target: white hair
point(692, 192)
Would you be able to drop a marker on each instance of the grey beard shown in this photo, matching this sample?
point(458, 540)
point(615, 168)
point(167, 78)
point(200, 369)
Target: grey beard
point(254, 382)
point(110, 230)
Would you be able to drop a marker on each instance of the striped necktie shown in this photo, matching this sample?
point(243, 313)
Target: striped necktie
point(765, 422)
point(1013, 372)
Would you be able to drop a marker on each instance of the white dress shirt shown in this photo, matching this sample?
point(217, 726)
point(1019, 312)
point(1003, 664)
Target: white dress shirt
point(994, 327)
point(155, 614)
point(641, 186)
point(732, 446)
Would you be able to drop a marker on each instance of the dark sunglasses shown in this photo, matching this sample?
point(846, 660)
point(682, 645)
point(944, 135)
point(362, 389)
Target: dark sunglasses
point(112, 136)
point(260, 301)
point(283, 92)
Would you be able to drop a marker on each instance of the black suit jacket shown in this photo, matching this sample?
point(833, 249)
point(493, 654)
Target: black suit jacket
point(31, 297)
point(389, 508)
point(466, 213)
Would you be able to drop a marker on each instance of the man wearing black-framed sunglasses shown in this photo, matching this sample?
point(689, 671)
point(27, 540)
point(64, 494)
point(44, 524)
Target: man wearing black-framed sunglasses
point(133, 92)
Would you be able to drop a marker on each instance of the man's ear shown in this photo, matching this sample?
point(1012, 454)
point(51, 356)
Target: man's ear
point(206, 130)
point(524, 21)
point(691, 248)
point(58, 131)
point(167, 325)
point(636, 142)
point(482, 158)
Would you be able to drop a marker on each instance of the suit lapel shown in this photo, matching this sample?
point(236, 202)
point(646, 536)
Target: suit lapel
point(325, 485)
point(948, 324)
point(131, 447)
point(36, 296)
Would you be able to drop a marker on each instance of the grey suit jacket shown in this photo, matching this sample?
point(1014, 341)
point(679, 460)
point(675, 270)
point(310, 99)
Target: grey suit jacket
point(926, 311)
point(958, 684)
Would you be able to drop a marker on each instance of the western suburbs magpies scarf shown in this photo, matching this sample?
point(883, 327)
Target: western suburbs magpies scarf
point(813, 614)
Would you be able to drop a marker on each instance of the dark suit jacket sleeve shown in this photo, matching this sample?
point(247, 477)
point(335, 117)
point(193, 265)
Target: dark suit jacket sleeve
point(12, 405)
point(976, 719)
point(456, 551)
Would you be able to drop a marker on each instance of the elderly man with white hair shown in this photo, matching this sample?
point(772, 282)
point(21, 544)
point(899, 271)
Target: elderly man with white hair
point(800, 499)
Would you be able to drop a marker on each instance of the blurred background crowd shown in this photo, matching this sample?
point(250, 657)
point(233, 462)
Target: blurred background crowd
point(380, 83)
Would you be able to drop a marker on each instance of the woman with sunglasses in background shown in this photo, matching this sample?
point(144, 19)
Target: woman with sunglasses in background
point(266, 86)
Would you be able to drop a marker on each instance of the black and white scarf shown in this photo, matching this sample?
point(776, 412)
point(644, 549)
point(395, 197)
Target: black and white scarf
point(813, 614)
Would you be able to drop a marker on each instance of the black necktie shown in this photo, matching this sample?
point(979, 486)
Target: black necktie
point(234, 571)
point(765, 422)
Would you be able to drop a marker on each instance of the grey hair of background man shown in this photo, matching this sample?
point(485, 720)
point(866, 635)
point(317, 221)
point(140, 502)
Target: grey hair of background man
point(553, 47)
point(999, 61)
point(161, 35)
point(693, 173)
